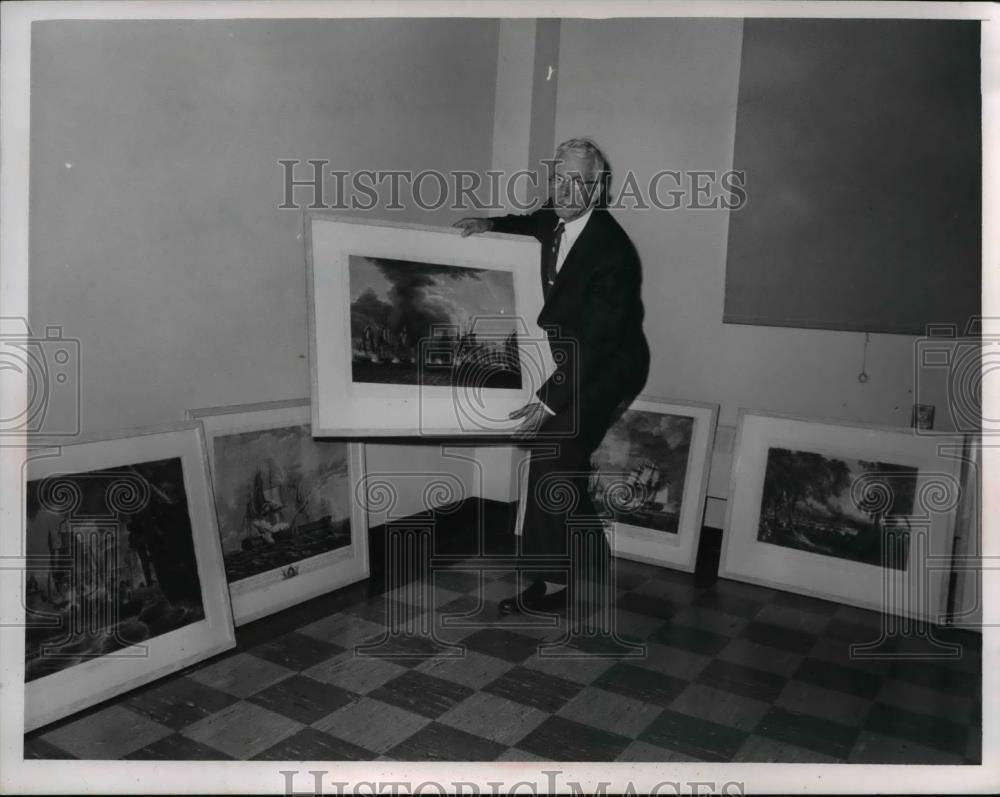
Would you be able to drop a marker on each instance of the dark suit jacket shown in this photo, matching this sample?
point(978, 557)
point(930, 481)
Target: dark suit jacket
point(593, 316)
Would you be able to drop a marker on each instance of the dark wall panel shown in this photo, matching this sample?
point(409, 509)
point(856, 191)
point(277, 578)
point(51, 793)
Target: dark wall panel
point(861, 144)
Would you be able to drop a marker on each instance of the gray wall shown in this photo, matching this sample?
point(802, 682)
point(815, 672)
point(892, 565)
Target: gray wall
point(155, 235)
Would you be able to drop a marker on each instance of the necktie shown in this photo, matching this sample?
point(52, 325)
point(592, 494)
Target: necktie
point(552, 255)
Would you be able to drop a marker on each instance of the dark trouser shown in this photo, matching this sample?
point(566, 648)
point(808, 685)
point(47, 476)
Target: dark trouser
point(562, 535)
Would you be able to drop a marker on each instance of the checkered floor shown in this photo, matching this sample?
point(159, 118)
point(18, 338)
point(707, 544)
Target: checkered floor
point(718, 672)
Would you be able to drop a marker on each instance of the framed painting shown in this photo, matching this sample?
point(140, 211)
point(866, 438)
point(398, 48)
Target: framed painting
point(289, 524)
point(124, 582)
point(416, 330)
point(855, 514)
point(649, 478)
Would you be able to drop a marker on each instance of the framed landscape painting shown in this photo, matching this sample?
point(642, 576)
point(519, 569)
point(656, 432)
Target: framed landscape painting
point(855, 514)
point(289, 524)
point(417, 330)
point(649, 477)
point(124, 582)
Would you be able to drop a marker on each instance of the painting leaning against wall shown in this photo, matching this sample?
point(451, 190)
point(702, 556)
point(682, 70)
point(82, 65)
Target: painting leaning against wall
point(120, 561)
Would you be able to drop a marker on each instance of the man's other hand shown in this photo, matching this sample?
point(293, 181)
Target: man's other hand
point(471, 224)
point(533, 415)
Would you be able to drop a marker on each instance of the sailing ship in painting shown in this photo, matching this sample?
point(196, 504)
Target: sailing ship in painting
point(428, 324)
point(112, 567)
point(845, 508)
point(281, 497)
point(638, 472)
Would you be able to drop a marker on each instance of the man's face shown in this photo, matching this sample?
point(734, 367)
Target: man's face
point(574, 190)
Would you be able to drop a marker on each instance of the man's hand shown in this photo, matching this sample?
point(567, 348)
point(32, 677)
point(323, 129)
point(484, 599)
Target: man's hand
point(471, 224)
point(534, 415)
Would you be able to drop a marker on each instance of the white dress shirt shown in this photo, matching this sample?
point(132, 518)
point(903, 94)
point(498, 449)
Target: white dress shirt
point(571, 231)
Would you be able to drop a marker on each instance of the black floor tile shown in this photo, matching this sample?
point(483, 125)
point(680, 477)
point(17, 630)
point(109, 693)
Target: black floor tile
point(641, 684)
point(695, 737)
point(805, 602)
point(458, 580)
point(942, 734)
point(745, 681)
point(422, 694)
point(179, 702)
point(437, 742)
point(937, 676)
point(646, 604)
point(730, 604)
point(697, 640)
point(296, 651)
point(533, 688)
point(303, 699)
point(310, 744)
point(838, 677)
point(502, 644)
point(36, 747)
point(407, 650)
point(777, 637)
point(177, 748)
point(560, 739)
point(813, 733)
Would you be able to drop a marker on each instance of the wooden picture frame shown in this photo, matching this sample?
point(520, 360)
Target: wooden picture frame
point(290, 525)
point(416, 330)
point(125, 582)
point(650, 474)
point(861, 515)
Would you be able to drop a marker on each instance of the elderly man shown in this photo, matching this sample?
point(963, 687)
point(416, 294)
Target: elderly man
point(593, 314)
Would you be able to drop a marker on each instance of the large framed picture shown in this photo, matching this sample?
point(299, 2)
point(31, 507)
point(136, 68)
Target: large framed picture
point(650, 475)
point(856, 514)
point(289, 523)
point(124, 582)
point(417, 330)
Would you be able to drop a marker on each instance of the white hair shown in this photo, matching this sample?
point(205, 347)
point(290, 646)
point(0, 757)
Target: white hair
point(587, 149)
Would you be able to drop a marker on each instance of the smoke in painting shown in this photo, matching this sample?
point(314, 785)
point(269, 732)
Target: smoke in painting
point(113, 563)
point(281, 497)
point(427, 324)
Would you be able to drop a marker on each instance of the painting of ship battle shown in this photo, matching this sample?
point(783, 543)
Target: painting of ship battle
point(112, 563)
point(280, 497)
point(426, 324)
point(639, 470)
point(837, 507)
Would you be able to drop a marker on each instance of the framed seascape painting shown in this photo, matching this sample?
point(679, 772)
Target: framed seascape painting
point(417, 330)
point(855, 514)
point(289, 524)
point(649, 476)
point(124, 582)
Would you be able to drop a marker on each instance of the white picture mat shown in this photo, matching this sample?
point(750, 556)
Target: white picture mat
point(680, 550)
point(831, 578)
point(342, 408)
point(82, 685)
point(269, 592)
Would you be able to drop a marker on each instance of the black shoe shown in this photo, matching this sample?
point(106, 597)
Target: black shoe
point(534, 599)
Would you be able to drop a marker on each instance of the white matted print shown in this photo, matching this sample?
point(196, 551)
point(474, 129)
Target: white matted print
point(417, 330)
point(650, 474)
point(289, 524)
point(856, 514)
point(125, 581)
